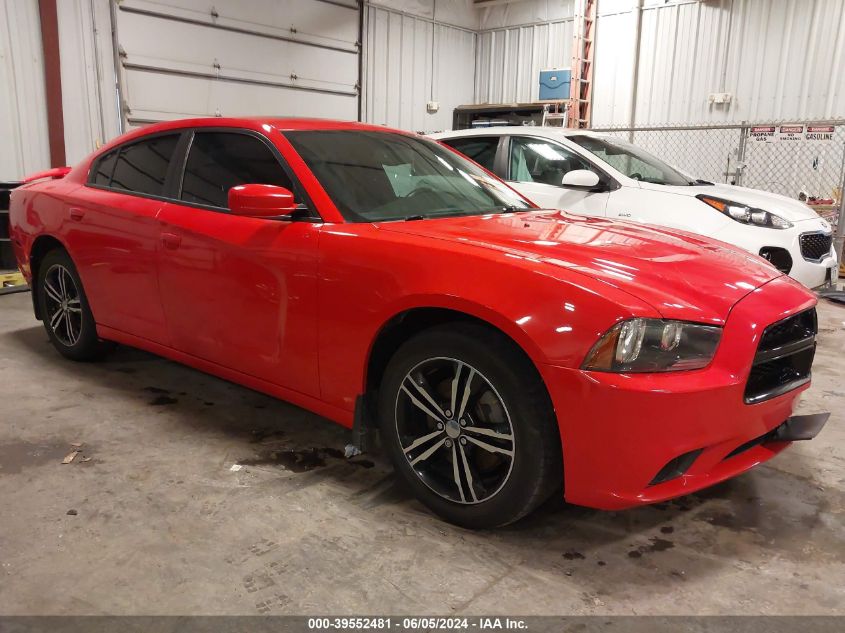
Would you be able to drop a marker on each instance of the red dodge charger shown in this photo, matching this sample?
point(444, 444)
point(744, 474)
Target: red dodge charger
point(384, 281)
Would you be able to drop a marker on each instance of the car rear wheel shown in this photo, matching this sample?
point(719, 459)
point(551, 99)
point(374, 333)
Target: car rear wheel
point(469, 426)
point(64, 308)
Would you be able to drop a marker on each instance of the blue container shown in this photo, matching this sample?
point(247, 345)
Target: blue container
point(554, 84)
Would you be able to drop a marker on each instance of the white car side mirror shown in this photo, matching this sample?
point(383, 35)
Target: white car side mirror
point(581, 179)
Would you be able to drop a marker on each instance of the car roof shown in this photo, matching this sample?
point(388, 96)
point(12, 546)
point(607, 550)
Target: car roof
point(522, 130)
point(282, 124)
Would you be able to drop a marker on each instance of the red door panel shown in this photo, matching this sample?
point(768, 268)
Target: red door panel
point(113, 238)
point(241, 292)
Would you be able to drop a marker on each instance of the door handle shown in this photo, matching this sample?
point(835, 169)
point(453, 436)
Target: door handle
point(76, 214)
point(171, 240)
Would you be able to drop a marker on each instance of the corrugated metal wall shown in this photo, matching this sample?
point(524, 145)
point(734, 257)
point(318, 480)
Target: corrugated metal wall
point(524, 13)
point(89, 98)
point(410, 60)
point(459, 13)
point(509, 61)
point(781, 59)
point(515, 42)
point(23, 110)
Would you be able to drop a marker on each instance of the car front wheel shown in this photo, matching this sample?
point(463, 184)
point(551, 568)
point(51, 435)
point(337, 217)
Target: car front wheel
point(469, 426)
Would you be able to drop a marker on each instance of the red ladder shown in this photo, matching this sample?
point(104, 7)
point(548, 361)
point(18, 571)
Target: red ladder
point(581, 88)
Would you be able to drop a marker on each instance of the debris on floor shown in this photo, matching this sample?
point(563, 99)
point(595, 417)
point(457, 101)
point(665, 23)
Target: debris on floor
point(235, 468)
point(72, 512)
point(70, 457)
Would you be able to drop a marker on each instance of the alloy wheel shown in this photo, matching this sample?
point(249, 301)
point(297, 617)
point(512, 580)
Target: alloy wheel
point(455, 430)
point(64, 309)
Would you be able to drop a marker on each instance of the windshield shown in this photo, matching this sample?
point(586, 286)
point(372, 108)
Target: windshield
point(632, 161)
point(383, 176)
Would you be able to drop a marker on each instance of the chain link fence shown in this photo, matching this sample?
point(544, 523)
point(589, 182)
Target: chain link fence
point(802, 160)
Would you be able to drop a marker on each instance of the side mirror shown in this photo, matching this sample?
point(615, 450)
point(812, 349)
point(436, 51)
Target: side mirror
point(261, 201)
point(580, 179)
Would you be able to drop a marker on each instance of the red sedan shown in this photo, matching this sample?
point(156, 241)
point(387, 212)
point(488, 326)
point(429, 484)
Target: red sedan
point(383, 281)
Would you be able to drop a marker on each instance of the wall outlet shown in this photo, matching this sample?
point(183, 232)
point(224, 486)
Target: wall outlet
point(719, 98)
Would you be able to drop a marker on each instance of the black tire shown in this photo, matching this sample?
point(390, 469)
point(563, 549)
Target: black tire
point(74, 334)
point(510, 394)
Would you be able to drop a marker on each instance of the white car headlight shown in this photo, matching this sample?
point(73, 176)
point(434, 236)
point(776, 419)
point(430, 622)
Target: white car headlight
point(745, 214)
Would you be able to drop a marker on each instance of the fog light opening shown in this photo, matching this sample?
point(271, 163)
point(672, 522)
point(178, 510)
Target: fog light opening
point(676, 467)
point(777, 257)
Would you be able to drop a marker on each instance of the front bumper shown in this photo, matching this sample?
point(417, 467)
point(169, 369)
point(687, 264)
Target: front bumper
point(813, 273)
point(619, 431)
point(821, 274)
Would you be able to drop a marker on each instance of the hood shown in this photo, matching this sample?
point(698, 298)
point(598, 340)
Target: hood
point(681, 275)
point(787, 208)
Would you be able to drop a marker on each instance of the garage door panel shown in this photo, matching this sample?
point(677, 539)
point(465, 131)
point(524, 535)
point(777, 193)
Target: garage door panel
point(286, 57)
point(180, 97)
point(236, 54)
point(313, 21)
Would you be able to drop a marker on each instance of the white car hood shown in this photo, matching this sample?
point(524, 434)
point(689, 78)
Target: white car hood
point(787, 208)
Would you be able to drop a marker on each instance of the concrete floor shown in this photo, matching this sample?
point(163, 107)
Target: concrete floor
point(156, 522)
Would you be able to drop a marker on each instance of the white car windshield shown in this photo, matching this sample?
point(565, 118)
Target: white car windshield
point(633, 161)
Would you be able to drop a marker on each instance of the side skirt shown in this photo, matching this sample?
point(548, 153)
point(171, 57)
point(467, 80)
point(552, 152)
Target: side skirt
point(333, 413)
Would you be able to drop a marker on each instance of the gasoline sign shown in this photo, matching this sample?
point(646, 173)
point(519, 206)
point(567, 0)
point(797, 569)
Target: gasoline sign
point(819, 133)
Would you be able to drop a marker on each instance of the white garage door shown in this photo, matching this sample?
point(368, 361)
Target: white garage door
point(182, 58)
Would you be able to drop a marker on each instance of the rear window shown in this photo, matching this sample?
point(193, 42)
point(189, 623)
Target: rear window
point(142, 167)
point(103, 168)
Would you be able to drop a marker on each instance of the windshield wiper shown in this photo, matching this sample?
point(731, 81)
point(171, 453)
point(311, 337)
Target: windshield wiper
point(440, 213)
point(504, 208)
point(699, 181)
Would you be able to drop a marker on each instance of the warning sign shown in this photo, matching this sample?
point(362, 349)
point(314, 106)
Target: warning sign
point(762, 133)
point(819, 133)
point(790, 133)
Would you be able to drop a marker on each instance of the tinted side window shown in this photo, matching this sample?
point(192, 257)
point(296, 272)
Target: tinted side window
point(480, 149)
point(142, 167)
point(537, 160)
point(103, 168)
point(218, 161)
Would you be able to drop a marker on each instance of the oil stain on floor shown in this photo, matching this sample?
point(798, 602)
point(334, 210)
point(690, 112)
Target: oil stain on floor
point(18, 455)
point(302, 460)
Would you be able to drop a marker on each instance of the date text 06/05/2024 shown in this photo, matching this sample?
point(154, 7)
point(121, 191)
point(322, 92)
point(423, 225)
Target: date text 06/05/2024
point(415, 623)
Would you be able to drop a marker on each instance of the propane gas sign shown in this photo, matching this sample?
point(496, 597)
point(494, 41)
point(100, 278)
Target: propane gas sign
point(762, 133)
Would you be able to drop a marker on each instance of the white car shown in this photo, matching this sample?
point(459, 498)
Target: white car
point(600, 175)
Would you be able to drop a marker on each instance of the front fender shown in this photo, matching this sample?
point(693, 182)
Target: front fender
point(367, 278)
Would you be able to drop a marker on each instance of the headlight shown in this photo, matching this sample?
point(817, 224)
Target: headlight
point(745, 214)
point(652, 345)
